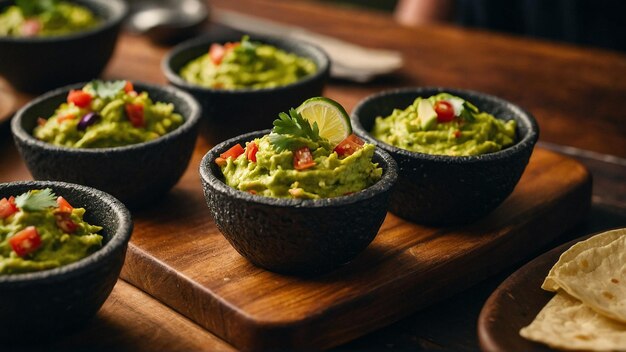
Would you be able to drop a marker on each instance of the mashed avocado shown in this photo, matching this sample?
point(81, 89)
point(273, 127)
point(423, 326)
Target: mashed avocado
point(295, 162)
point(45, 18)
point(246, 65)
point(444, 124)
point(39, 231)
point(107, 114)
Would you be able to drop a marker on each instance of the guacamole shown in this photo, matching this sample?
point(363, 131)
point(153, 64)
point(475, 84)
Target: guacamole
point(30, 18)
point(107, 114)
point(446, 125)
point(295, 162)
point(246, 64)
point(40, 231)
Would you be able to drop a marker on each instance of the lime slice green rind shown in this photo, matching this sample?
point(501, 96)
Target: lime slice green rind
point(331, 118)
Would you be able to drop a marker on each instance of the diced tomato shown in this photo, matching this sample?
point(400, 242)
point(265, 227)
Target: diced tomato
point(31, 28)
point(220, 162)
point(128, 87)
point(65, 117)
point(79, 98)
point(457, 134)
point(251, 191)
point(218, 51)
point(65, 223)
point(41, 121)
point(7, 207)
point(251, 150)
point(349, 145)
point(444, 110)
point(26, 241)
point(303, 159)
point(234, 151)
point(64, 205)
point(134, 112)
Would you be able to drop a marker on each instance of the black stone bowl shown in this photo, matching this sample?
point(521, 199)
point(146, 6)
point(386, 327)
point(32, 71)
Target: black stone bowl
point(136, 174)
point(291, 235)
point(55, 301)
point(229, 112)
point(37, 64)
point(447, 190)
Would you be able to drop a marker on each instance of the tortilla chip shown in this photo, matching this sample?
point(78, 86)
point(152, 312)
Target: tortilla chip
point(596, 241)
point(597, 277)
point(566, 323)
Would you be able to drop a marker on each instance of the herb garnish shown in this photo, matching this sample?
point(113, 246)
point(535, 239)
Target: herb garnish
point(289, 128)
point(34, 7)
point(468, 112)
point(107, 89)
point(36, 200)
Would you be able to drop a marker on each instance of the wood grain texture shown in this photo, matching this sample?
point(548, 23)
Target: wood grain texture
point(178, 256)
point(130, 320)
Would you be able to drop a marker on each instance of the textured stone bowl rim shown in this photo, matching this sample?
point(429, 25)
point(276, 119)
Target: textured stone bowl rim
point(388, 179)
point(118, 239)
point(281, 43)
point(26, 137)
point(119, 9)
point(527, 141)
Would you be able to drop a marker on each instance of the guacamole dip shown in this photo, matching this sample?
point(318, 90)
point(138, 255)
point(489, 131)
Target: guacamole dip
point(107, 114)
point(40, 231)
point(444, 124)
point(29, 18)
point(295, 162)
point(246, 64)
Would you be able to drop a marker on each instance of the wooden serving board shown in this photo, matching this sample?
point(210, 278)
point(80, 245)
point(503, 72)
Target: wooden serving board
point(178, 256)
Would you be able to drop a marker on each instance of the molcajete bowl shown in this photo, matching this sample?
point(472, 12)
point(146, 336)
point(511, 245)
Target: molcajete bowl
point(54, 301)
point(447, 190)
point(136, 174)
point(231, 112)
point(37, 64)
point(292, 235)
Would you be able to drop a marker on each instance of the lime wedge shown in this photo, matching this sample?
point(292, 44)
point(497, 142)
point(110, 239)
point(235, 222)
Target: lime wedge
point(332, 119)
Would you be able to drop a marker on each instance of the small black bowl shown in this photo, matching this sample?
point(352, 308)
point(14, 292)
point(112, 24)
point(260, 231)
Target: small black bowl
point(37, 64)
point(231, 112)
point(447, 190)
point(136, 174)
point(291, 235)
point(51, 302)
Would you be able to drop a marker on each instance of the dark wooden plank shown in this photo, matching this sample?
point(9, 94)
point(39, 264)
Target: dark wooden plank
point(200, 275)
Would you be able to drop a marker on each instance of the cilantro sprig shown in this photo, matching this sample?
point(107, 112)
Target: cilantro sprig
point(36, 200)
point(289, 130)
point(34, 7)
point(468, 111)
point(107, 89)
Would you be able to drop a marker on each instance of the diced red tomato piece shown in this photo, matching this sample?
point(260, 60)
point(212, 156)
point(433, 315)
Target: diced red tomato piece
point(26, 241)
point(128, 87)
point(303, 159)
point(41, 121)
point(444, 110)
point(457, 134)
point(251, 150)
point(31, 28)
point(7, 207)
point(64, 205)
point(79, 98)
point(134, 112)
point(65, 223)
point(220, 162)
point(216, 53)
point(234, 151)
point(349, 145)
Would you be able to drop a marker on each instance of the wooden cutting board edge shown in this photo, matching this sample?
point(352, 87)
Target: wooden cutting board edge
point(246, 332)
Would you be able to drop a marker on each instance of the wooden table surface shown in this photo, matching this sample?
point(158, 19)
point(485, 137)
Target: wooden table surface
point(575, 93)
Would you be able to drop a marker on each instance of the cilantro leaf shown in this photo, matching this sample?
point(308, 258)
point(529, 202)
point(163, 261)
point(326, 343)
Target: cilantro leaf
point(107, 89)
point(36, 200)
point(468, 112)
point(34, 7)
point(288, 129)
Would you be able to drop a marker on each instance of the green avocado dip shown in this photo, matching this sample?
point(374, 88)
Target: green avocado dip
point(30, 18)
point(446, 125)
point(107, 114)
point(246, 64)
point(293, 161)
point(40, 231)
